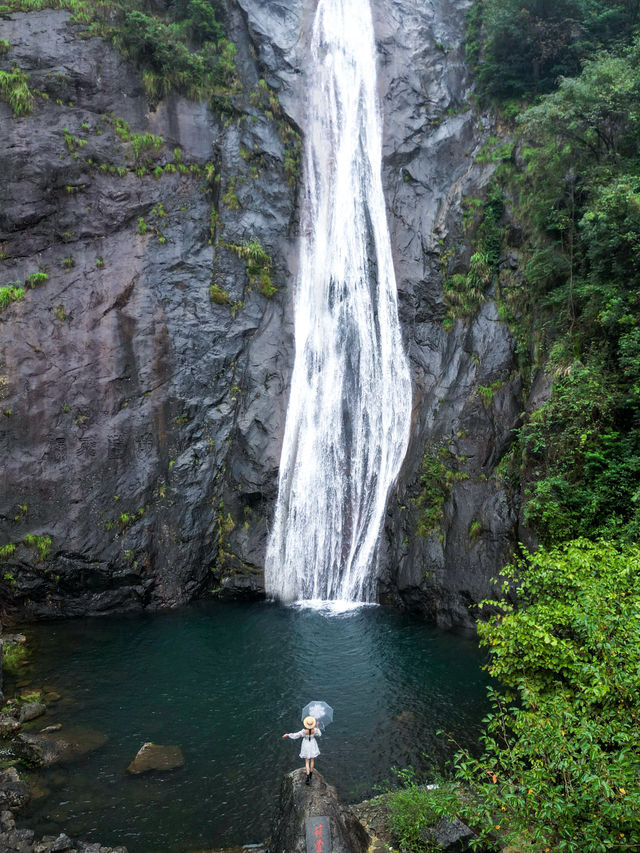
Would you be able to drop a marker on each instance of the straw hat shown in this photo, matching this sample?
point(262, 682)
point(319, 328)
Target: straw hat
point(309, 722)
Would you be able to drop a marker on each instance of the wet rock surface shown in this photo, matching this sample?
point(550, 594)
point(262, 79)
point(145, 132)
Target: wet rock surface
point(299, 801)
point(146, 420)
point(142, 420)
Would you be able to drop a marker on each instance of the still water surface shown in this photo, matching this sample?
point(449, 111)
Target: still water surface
point(224, 682)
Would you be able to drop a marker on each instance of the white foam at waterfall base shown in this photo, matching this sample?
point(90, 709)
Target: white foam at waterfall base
point(348, 418)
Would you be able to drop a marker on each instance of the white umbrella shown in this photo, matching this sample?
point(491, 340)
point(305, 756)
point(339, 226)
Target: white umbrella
point(322, 712)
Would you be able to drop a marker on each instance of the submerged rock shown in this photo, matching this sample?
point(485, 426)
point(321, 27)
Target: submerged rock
point(152, 756)
point(299, 802)
point(44, 750)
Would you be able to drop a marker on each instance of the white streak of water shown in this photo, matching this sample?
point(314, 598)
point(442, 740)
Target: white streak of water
point(348, 419)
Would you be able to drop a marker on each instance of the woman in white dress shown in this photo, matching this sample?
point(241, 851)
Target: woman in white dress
point(309, 748)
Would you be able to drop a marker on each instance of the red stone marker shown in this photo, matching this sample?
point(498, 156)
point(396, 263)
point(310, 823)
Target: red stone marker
point(318, 834)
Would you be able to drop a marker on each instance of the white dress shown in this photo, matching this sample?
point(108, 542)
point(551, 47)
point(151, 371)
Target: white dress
point(309, 748)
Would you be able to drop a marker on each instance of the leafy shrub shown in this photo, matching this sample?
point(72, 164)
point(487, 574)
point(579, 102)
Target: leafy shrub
point(14, 89)
point(36, 278)
point(258, 265)
point(7, 551)
point(561, 763)
point(10, 293)
point(41, 543)
point(414, 809)
point(574, 191)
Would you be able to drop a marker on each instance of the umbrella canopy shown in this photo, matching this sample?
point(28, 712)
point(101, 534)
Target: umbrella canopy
point(321, 711)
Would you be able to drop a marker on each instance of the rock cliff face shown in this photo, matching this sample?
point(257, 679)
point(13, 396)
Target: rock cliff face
point(141, 420)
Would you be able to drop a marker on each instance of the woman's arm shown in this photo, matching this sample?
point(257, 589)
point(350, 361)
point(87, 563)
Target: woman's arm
point(294, 735)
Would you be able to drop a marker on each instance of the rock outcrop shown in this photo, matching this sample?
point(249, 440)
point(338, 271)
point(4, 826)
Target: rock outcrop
point(299, 802)
point(141, 418)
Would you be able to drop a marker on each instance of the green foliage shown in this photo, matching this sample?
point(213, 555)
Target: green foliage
point(10, 293)
point(475, 529)
point(561, 763)
point(582, 458)
point(577, 194)
point(521, 47)
point(126, 519)
point(180, 46)
point(5, 46)
point(437, 476)
point(14, 90)
point(487, 392)
point(258, 265)
point(41, 543)
point(14, 655)
point(230, 199)
point(435, 488)
point(7, 551)
point(218, 295)
point(413, 810)
point(37, 278)
point(187, 52)
point(464, 293)
point(72, 142)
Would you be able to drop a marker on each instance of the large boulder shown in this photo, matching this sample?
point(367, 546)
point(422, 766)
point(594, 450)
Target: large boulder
point(299, 802)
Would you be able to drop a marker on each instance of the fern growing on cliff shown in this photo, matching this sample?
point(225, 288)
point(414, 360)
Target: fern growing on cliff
point(15, 91)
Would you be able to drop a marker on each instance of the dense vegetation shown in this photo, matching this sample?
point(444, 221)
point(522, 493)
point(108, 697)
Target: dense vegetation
point(559, 763)
point(560, 767)
point(571, 188)
point(521, 47)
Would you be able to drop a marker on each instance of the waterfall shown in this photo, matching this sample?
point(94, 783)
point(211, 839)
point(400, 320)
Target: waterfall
point(347, 425)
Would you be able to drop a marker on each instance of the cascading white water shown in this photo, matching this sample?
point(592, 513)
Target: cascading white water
point(347, 424)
